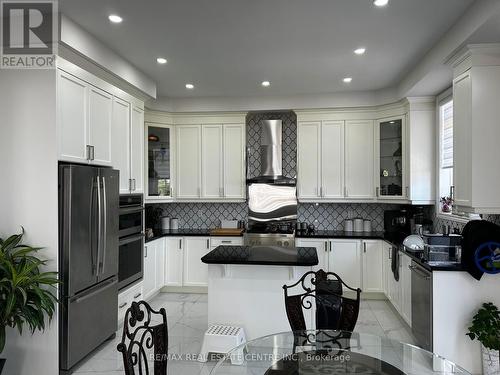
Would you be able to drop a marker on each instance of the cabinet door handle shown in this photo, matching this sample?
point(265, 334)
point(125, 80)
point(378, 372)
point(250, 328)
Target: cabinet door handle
point(330, 247)
point(137, 295)
point(226, 241)
point(145, 251)
point(364, 247)
point(180, 244)
point(122, 305)
point(321, 191)
point(88, 152)
point(326, 246)
point(220, 192)
point(407, 192)
point(135, 185)
point(208, 244)
point(130, 184)
point(171, 191)
point(377, 191)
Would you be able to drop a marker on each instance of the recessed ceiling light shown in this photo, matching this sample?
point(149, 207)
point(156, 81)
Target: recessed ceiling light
point(360, 51)
point(161, 60)
point(266, 83)
point(347, 79)
point(380, 3)
point(392, 122)
point(114, 18)
point(189, 86)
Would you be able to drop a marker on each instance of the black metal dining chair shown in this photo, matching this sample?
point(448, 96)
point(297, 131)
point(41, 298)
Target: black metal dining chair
point(333, 311)
point(141, 336)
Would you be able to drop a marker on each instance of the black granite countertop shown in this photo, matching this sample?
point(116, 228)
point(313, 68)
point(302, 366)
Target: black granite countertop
point(433, 266)
point(159, 233)
point(340, 234)
point(262, 255)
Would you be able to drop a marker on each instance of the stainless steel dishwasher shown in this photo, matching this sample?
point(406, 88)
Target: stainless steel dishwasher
point(421, 305)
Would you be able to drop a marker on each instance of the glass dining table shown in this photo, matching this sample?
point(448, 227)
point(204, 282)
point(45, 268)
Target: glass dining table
point(331, 352)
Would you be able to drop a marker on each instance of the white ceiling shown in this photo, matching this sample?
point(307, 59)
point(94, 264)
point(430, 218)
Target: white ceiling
point(227, 47)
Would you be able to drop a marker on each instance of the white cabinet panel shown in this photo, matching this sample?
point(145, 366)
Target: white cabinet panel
point(225, 241)
point(309, 150)
point(345, 260)
point(174, 260)
point(149, 278)
point(373, 265)
point(405, 278)
point(462, 128)
point(100, 123)
point(332, 159)
point(120, 146)
point(195, 271)
point(160, 264)
point(234, 161)
point(72, 118)
point(188, 161)
point(359, 159)
point(211, 158)
point(137, 150)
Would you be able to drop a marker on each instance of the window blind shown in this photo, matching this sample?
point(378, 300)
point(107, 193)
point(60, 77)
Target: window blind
point(447, 135)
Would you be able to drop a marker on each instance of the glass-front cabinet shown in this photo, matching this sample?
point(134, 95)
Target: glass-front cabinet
point(392, 161)
point(159, 162)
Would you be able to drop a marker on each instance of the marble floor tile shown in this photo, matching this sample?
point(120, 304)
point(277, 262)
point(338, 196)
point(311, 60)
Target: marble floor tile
point(187, 316)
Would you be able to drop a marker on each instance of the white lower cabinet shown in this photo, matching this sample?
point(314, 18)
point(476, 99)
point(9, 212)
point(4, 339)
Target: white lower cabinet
point(183, 265)
point(154, 253)
point(225, 241)
point(195, 271)
point(126, 297)
point(359, 263)
point(345, 261)
point(373, 266)
point(174, 261)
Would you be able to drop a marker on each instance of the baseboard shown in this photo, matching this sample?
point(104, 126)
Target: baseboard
point(184, 289)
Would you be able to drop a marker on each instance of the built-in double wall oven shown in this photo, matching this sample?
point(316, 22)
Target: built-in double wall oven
point(131, 243)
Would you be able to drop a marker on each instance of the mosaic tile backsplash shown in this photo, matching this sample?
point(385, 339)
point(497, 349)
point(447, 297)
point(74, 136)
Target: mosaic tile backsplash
point(289, 123)
point(326, 216)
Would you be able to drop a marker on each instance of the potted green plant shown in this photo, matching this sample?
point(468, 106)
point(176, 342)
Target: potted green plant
point(486, 328)
point(27, 295)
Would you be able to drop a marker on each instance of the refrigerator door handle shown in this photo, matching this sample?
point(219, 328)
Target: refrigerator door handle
point(99, 223)
point(105, 225)
point(105, 285)
point(93, 259)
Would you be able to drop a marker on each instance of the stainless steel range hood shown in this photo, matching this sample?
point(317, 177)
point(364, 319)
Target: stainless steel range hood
point(271, 154)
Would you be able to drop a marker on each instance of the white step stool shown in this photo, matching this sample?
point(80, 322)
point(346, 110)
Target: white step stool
point(222, 339)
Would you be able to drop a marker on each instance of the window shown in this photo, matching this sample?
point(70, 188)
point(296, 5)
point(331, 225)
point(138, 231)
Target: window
point(445, 154)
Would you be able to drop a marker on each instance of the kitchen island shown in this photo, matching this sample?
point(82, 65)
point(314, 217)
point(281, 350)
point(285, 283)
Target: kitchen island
point(245, 285)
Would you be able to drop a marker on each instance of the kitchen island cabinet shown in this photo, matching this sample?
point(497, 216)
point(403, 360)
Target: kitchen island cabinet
point(245, 286)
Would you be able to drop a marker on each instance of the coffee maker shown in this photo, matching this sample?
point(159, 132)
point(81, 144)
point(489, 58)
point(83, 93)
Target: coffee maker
point(397, 225)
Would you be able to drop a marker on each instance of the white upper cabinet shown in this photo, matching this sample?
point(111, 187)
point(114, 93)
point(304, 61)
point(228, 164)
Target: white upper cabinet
point(84, 121)
point(159, 150)
point(72, 118)
point(188, 161)
point(476, 110)
point(210, 162)
point(309, 160)
point(211, 159)
point(234, 161)
point(332, 159)
point(359, 159)
point(99, 124)
point(100, 120)
point(120, 147)
point(391, 150)
point(137, 150)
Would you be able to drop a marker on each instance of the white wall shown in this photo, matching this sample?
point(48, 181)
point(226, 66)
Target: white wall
point(28, 195)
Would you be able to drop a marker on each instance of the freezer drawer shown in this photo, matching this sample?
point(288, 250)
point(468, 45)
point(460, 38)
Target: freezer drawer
point(89, 318)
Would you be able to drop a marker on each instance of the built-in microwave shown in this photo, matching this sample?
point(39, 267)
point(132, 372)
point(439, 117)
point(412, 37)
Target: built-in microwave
point(131, 240)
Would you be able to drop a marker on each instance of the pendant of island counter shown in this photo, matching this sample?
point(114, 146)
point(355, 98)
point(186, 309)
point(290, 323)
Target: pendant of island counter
point(245, 285)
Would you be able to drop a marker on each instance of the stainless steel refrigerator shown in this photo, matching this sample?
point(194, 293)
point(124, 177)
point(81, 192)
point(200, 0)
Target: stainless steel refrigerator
point(88, 259)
